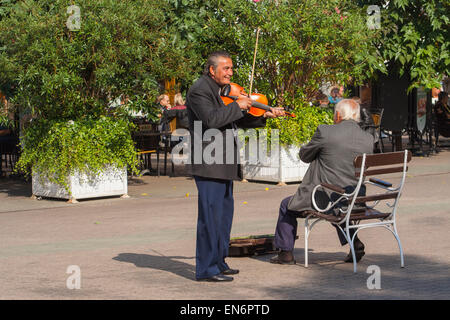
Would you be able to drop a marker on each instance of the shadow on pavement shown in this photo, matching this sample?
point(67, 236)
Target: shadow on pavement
point(328, 277)
point(164, 263)
point(15, 187)
point(314, 257)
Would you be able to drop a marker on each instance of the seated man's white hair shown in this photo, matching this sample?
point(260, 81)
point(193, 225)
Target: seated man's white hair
point(348, 110)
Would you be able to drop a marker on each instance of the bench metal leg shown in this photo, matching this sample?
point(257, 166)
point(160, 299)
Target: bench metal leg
point(306, 242)
point(308, 228)
point(394, 232)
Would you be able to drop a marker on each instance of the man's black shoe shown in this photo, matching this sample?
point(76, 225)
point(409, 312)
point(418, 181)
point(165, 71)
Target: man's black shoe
point(217, 278)
point(358, 245)
point(359, 252)
point(230, 272)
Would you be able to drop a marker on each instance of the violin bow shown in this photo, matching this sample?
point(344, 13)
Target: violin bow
point(253, 69)
point(254, 61)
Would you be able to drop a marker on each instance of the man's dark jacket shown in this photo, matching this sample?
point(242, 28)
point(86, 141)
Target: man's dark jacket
point(330, 153)
point(204, 104)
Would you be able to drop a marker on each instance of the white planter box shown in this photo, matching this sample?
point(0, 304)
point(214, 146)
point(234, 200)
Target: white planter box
point(287, 167)
point(112, 182)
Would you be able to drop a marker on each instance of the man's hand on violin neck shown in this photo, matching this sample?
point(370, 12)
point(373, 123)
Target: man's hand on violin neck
point(244, 103)
point(274, 113)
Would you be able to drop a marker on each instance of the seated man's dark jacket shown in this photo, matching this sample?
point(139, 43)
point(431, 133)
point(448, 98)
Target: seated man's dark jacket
point(204, 104)
point(330, 153)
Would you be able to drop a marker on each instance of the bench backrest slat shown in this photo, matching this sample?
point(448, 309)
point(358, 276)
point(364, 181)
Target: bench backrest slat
point(376, 197)
point(380, 171)
point(382, 159)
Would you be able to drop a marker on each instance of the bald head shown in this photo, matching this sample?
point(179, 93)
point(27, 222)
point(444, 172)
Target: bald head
point(346, 109)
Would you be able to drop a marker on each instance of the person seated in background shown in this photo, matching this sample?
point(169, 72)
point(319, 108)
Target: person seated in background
point(163, 103)
point(442, 111)
point(179, 102)
point(179, 112)
point(334, 97)
point(330, 153)
point(435, 95)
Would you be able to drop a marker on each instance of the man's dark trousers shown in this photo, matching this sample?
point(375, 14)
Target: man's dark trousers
point(215, 217)
point(286, 229)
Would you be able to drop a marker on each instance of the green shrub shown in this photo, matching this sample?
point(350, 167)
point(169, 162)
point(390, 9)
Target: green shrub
point(57, 149)
point(299, 130)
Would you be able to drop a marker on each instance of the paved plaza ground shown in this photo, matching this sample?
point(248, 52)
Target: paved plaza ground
point(144, 247)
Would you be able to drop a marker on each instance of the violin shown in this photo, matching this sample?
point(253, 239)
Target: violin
point(232, 91)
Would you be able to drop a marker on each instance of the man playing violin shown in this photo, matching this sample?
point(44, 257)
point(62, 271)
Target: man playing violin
point(214, 179)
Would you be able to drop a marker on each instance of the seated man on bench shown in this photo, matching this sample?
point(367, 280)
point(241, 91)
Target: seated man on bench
point(330, 153)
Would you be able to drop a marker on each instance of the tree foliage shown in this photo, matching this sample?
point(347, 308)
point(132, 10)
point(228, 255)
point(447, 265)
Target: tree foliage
point(121, 48)
point(415, 38)
point(302, 44)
